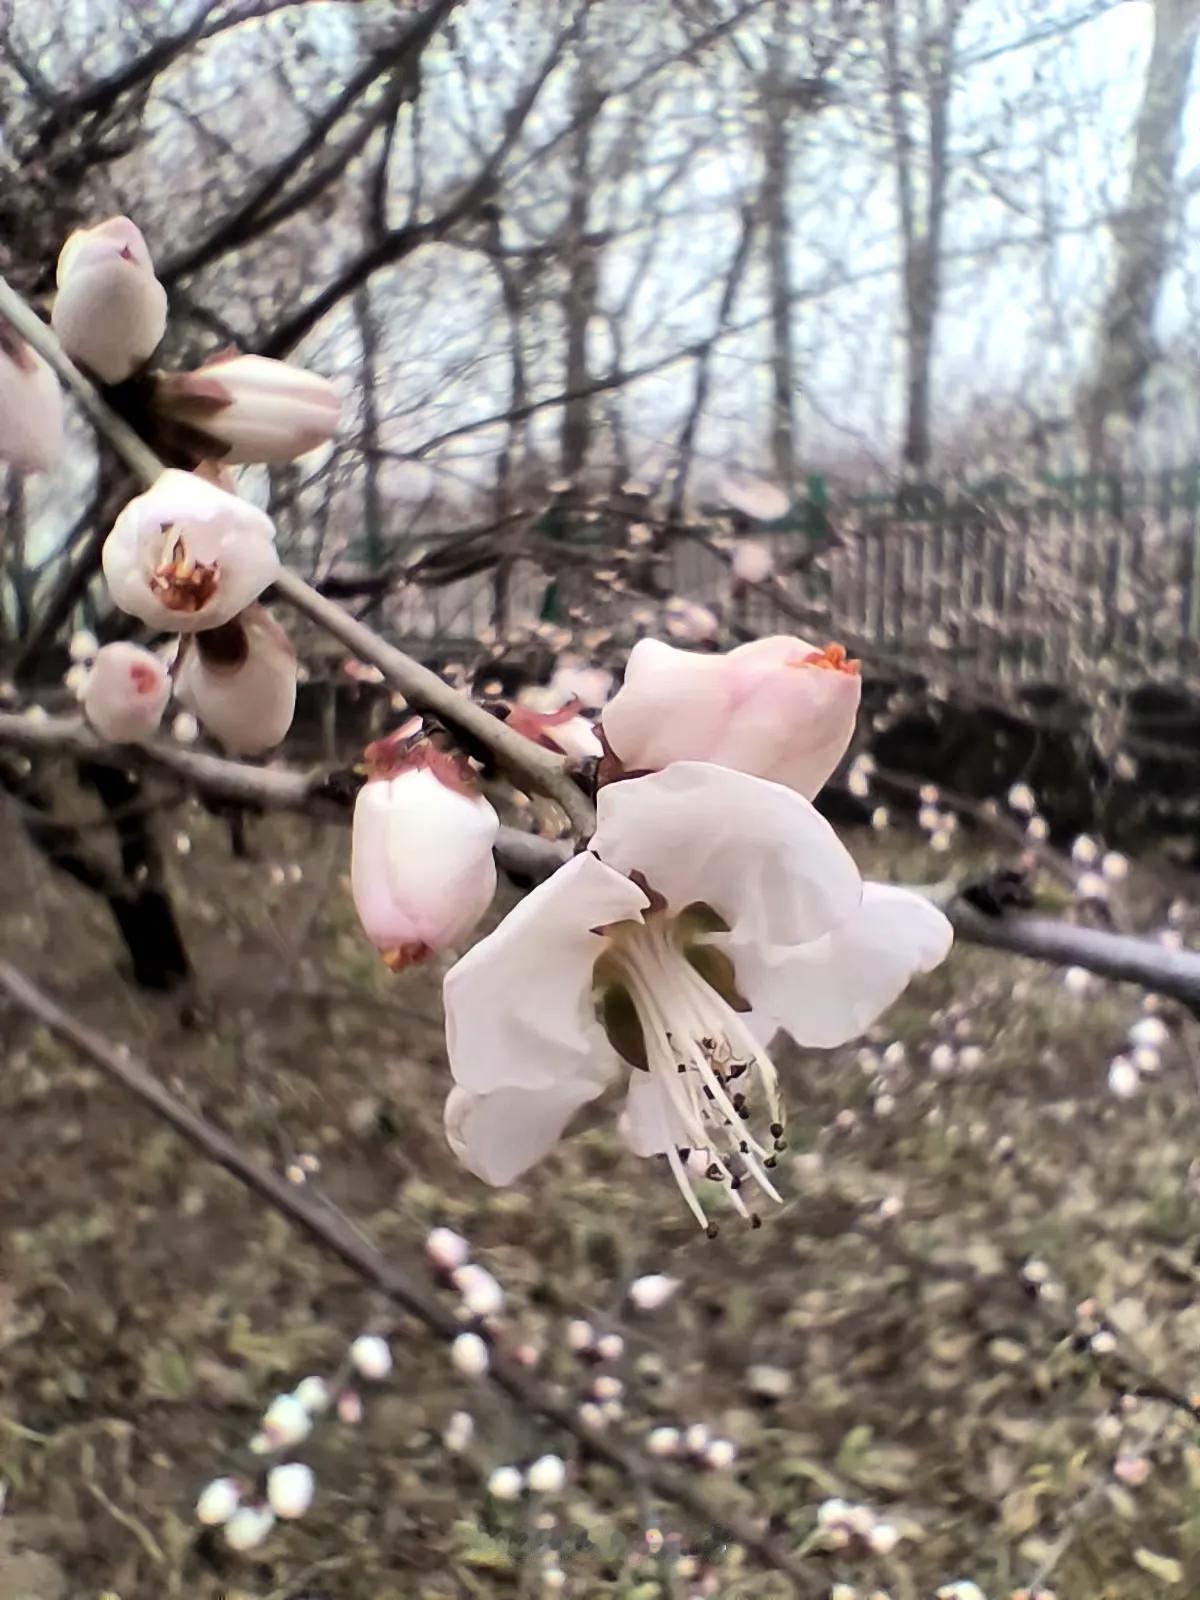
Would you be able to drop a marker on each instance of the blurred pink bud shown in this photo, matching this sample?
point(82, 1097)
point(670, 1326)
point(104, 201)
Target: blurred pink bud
point(421, 867)
point(110, 312)
point(563, 730)
point(249, 408)
point(753, 496)
point(126, 693)
point(186, 555)
point(240, 680)
point(778, 708)
point(590, 686)
point(690, 621)
point(30, 406)
point(752, 562)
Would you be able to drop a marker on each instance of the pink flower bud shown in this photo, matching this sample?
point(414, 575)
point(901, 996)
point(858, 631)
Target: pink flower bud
point(777, 708)
point(240, 680)
point(421, 867)
point(249, 408)
point(110, 312)
point(186, 555)
point(752, 561)
point(30, 406)
point(126, 693)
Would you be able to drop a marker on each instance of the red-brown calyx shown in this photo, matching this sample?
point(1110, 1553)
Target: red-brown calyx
point(533, 724)
point(832, 659)
point(408, 749)
point(183, 584)
point(402, 956)
point(143, 678)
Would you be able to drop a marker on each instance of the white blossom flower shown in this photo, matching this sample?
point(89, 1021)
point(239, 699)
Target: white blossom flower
point(1085, 852)
point(610, 1347)
point(290, 1489)
point(481, 1294)
point(371, 1357)
point(547, 1475)
point(652, 1291)
point(249, 408)
point(506, 1483)
point(752, 495)
point(469, 1354)
point(186, 555)
point(961, 1589)
point(1091, 886)
point(446, 1249)
point(1123, 1077)
point(778, 708)
point(218, 1501)
point(880, 818)
point(240, 681)
point(285, 1423)
point(459, 1432)
point(249, 1527)
point(313, 1394)
point(753, 561)
point(720, 1454)
point(421, 866)
point(859, 785)
point(581, 1336)
point(883, 1538)
point(31, 408)
point(110, 312)
point(1077, 980)
point(1149, 1031)
point(690, 621)
point(663, 1442)
point(1037, 829)
point(1021, 799)
point(126, 692)
point(1115, 866)
point(83, 645)
point(752, 918)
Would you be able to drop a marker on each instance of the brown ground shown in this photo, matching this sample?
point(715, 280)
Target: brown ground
point(149, 1309)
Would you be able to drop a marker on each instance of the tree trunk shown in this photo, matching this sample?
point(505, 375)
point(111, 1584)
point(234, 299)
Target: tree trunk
point(922, 223)
point(1126, 347)
point(776, 171)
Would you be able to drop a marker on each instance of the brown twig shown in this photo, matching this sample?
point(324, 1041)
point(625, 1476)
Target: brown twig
point(1123, 957)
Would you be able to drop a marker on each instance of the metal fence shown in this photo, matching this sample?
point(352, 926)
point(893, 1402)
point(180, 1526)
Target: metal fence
point(1080, 581)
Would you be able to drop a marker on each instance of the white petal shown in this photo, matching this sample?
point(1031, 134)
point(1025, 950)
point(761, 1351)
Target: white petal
point(649, 1124)
point(759, 854)
point(831, 990)
point(499, 1136)
point(518, 1005)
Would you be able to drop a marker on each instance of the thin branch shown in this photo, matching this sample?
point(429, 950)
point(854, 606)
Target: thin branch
point(337, 1236)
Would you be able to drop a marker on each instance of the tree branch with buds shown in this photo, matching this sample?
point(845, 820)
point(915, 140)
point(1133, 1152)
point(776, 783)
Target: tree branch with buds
point(529, 766)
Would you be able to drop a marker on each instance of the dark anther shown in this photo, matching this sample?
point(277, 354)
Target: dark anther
point(755, 1220)
point(776, 1129)
point(712, 1230)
